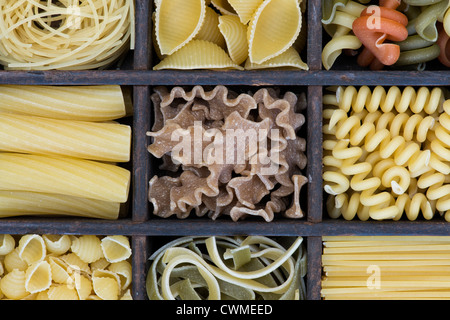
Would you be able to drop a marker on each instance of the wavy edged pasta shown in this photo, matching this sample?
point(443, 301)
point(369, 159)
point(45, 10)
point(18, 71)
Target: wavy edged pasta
point(7, 244)
point(12, 285)
point(38, 277)
point(210, 29)
point(32, 248)
point(57, 244)
point(189, 16)
point(224, 7)
point(87, 247)
point(235, 34)
point(106, 284)
point(290, 59)
point(116, 248)
point(245, 9)
point(198, 54)
point(274, 19)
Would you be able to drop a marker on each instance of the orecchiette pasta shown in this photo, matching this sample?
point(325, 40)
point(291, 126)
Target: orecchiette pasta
point(63, 267)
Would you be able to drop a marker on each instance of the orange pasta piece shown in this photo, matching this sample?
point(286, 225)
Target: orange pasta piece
point(374, 26)
point(444, 44)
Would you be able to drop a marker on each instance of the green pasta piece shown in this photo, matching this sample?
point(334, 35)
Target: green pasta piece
point(414, 42)
point(418, 55)
point(425, 23)
point(421, 2)
point(329, 8)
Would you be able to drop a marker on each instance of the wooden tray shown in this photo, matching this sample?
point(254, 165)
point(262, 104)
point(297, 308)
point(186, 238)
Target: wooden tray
point(142, 227)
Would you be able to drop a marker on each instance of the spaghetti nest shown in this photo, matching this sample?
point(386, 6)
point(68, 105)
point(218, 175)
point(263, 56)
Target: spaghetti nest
point(64, 34)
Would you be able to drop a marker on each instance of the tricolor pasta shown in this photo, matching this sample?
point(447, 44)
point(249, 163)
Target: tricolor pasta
point(390, 33)
point(386, 152)
point(63, 267)
point(229, 34)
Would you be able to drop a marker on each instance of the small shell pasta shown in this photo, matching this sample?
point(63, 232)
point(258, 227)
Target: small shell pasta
point(13, 285)
point(57, 244)
point(116, 248)
point(14, 261)
point(88, 248)
point(123, 270)
point(62, 292)
point(32, 248)
point(38, 277)
point(106, 284)
point(7, 244)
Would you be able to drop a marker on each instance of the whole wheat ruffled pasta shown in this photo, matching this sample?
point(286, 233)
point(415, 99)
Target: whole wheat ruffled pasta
point(386, 153)
point(199, 268)
point(230, 154)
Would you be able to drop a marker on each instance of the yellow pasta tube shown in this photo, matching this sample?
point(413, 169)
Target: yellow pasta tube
point(26, 203)
point(80, 139)
point(90, 103)
point(64, 175)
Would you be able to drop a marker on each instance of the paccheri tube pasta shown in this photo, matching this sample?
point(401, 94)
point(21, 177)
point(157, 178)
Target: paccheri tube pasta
point(87, 103)
point(199, 268)
point(81, 139)
point(385, 267)
point(64, 175)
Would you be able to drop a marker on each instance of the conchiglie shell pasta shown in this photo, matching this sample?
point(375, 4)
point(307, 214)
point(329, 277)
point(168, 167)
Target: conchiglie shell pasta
point(210, 29)
point(116, 248)
point(198, 54)
point(32, 248)
point(57, 244)
point(88, 248)
point(83, 286)
point(123, 270)
point(62, 292)
point(290, 59)
point(14, 261)
point(106, 284)
point(12, 285)
point(177, 23)
point(38, 277)
point(7, 244)
point(223, 6)
point(245, 8)
point(75, 263)
point(60, 273)
point(235, 34)
point(273, 29)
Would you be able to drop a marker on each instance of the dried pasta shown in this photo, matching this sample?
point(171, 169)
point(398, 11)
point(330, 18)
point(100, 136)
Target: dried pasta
point(80, 139)
point(66, 268)
point(63, 35)
point(229, 34)
point(386, 152)
point(385, 268)
point(198, 268)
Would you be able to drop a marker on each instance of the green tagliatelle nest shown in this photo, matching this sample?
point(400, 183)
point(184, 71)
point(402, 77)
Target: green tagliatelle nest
point(223, 268)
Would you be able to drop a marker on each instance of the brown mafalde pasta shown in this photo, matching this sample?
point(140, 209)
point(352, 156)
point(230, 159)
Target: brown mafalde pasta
point(227, 153)
point(86, 103)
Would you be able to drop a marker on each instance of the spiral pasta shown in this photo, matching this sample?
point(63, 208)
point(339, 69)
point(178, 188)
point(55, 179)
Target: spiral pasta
point(386, 152)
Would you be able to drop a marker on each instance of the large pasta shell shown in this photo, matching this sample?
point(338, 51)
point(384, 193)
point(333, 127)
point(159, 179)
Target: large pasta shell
point(198, 54)
point(38, 277)
point(116, 248)
point(290, 59)
point(210, 29)
point(177, 23)
point(223, 6)
point(235, 34)
point(245, 8)
point(32, 248)
point(273, 29)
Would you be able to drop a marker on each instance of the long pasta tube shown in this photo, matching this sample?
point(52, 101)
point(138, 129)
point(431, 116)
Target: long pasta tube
point(24, 203)
point(81, 139)
point(89, 103)
point(64, 175)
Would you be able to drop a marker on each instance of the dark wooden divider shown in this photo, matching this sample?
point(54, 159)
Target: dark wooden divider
point(141, 226)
